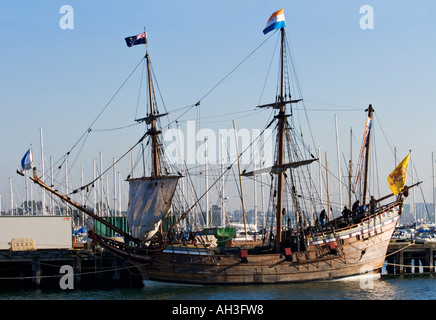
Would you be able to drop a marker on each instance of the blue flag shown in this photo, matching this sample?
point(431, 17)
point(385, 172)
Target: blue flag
point(134, 40)
point(26, 163)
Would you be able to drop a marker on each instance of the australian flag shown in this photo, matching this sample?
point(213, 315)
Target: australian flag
point(134, 40)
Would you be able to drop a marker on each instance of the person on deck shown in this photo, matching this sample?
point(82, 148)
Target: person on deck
point(346, 214)
point(323, 217)
point(355, 207)
point(372, 204)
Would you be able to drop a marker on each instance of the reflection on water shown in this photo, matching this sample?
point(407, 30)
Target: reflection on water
point(395, 288)
point(337, 290)
point(422, 287)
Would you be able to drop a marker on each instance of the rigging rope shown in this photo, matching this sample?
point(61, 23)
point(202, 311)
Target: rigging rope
point(269, 69)
point(88, 130)
point(189, 107)
point(114, 163)
point(140, 89)
point(234, 69)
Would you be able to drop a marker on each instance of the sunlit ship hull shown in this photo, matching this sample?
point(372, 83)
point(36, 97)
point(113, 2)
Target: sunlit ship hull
point(355, 250)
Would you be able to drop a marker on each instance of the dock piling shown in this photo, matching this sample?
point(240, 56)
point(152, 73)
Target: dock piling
point(410, 258)
point(41, 268)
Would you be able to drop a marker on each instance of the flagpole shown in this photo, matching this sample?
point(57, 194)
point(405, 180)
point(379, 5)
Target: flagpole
point(25, 208)
point(66, 183)
point(27, 184)
point(11, 197)
point(414, 201)
point(51, 178)
point(432, 178)
point(42, 176)
point(146, 41)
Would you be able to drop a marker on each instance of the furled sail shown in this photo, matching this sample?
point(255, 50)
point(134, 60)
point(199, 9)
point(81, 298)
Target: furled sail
point(278, 168)
point(149, 202)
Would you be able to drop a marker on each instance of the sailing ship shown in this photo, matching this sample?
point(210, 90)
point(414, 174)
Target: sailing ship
point(305, 250)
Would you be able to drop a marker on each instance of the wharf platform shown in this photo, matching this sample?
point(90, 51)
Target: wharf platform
point(408, 257)
point(88, 267)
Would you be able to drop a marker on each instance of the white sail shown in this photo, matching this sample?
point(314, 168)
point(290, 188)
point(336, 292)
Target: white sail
point(149, 202)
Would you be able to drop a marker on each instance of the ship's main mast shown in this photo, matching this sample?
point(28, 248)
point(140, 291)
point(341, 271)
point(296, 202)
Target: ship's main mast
point(151, 118)
point(281, 142)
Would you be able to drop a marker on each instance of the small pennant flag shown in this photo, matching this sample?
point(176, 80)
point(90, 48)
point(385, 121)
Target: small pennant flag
point(138, 39)
point(276, 21)
point(397, 179)
point(26, 163)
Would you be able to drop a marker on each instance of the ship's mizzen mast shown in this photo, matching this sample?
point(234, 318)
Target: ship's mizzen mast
point(364, 156)
point(365, 187)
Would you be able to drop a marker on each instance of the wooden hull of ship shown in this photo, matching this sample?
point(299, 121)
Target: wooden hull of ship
point(355, 250)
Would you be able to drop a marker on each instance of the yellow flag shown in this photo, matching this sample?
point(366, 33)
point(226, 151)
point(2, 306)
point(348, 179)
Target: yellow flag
point(397, 179)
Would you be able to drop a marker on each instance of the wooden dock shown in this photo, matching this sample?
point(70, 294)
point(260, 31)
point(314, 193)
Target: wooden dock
point(410, 257)
point(90, 268)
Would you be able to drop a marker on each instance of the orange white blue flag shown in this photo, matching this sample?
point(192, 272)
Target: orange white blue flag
point(276, 21)
point(397, 179)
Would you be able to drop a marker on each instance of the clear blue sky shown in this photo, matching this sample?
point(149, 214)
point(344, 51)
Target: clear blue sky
point(61, 79)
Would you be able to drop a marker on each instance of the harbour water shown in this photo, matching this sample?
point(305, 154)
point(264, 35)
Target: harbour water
point(404, 287)
point(387, 297)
